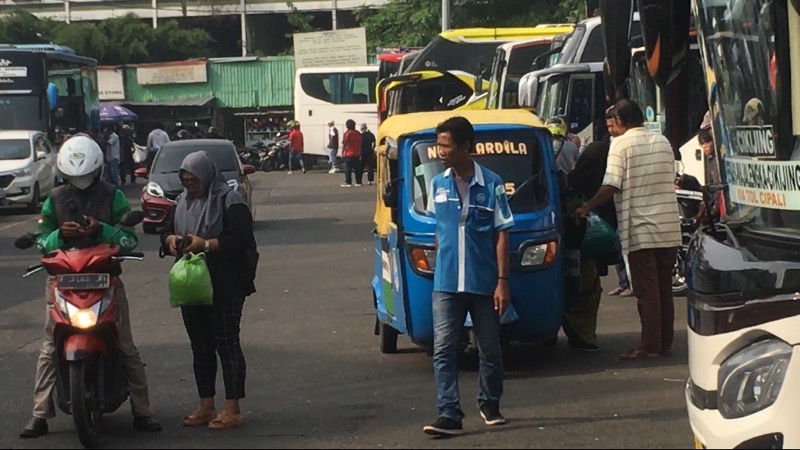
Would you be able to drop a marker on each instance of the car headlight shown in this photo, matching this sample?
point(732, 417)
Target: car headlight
point(154, 189)
point(536, 255)
point(751, 380)
point(423, 259)
point(26, 172)
point(233, 184)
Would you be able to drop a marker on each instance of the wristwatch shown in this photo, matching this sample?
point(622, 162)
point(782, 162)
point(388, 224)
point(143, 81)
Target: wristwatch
point(207, 248)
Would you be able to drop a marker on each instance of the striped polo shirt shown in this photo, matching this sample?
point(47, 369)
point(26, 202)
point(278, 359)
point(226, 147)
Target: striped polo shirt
point(642, 166)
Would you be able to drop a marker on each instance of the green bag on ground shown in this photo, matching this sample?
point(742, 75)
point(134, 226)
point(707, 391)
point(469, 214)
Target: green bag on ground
point(190, 282)
point(600, 239)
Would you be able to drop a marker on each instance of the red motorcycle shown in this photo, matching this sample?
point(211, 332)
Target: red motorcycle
point(90, 380)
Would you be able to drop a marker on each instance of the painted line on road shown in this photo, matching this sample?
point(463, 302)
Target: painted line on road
point(15, 224)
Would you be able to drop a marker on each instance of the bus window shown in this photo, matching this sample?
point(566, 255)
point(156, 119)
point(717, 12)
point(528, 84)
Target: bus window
point(581, 106)
point(340, 88)
point(594, 51)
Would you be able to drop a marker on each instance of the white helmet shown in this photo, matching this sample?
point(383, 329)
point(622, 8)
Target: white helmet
point(80, 161)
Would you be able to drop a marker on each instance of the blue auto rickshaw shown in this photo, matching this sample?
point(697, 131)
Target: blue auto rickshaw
point(515, 145)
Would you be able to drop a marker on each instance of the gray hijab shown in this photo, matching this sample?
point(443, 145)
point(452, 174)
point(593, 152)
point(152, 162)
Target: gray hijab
point(204, 216)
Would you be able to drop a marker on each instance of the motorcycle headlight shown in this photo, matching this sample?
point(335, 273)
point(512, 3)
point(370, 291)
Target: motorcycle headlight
point(84, 318)
point(155, 190)
point(233, 184)
point(751, 380)
point(26, 172)
point(536, 255)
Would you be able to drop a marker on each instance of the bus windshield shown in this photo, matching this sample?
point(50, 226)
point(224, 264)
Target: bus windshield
point(445, 55)
point(518, 161)
point(758, 148)
point(23, 112)
point(551, 97)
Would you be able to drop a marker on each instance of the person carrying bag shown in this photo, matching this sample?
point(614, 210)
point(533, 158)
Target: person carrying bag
point(211, 231)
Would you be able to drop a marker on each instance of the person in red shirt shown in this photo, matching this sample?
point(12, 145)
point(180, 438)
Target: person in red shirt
point(296, 139)
point(351, 143)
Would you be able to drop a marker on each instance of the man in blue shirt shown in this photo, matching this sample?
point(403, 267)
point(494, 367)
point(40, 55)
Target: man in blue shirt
point(472, 263)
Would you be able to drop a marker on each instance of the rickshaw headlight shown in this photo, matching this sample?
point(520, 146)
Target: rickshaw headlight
point(536, 255)
point(751, 380)
point(424, 259)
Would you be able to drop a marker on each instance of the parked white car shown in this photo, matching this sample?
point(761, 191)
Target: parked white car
point(27, 167)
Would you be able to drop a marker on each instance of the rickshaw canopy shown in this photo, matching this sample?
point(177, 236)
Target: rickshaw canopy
point(395, 128)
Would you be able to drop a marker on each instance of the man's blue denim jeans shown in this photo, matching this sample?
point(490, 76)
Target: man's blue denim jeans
point(449, 313)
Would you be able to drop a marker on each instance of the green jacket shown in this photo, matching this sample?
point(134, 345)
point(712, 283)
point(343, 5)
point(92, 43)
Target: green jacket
point(50, 239)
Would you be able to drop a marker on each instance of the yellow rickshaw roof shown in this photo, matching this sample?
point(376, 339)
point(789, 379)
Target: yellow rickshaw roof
point(403, 124)
point(501, 34)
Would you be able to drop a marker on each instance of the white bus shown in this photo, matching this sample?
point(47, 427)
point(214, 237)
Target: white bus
point(333, 93)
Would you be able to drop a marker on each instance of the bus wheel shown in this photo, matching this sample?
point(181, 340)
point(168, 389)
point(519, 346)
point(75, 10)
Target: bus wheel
point(388, 337)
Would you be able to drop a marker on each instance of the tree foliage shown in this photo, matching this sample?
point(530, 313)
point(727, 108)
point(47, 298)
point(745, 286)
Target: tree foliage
point(410, 23)
point(117, 40)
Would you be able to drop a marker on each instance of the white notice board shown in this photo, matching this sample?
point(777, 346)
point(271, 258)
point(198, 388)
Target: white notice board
point(331, 48)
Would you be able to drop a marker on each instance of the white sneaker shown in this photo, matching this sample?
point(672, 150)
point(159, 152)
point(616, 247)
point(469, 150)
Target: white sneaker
point(289, 172)
point(357, 185)
point(369, 183)
point(332, 171)
point(345, 185)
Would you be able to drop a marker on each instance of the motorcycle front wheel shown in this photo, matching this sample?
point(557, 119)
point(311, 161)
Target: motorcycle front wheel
point(84, 401)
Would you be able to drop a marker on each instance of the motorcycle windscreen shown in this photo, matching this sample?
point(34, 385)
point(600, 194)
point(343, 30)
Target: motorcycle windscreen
point(665, 27)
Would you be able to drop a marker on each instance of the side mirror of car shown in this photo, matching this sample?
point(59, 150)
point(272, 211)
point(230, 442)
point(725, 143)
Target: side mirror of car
point(132, 218)
point(248, 169)
point(141, 172)
point(25, 242)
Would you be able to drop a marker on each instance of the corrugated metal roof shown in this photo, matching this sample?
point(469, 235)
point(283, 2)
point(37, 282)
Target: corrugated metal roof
point(264, 83)
point(235, 83)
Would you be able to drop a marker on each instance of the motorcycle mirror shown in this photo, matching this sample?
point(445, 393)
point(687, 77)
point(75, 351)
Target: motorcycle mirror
point(25, 242)
point(132, 218)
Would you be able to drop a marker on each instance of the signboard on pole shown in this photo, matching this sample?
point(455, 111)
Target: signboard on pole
point(331, 48)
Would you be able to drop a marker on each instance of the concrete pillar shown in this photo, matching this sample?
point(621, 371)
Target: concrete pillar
point(67, 11)
point(333, 14)
point(155, 13)
point(244, 27)
point(445, 15)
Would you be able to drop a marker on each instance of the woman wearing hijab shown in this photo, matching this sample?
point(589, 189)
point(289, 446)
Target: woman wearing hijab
point(210, 217)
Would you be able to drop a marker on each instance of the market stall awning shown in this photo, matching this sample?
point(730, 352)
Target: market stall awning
point(116, 113)
point(176, 103)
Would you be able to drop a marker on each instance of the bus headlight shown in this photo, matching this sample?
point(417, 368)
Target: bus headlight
point(751, 380)
point(536, 255)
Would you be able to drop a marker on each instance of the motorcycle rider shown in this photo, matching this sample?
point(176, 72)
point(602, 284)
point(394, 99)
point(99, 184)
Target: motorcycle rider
point(213, 133)
point(83, 211)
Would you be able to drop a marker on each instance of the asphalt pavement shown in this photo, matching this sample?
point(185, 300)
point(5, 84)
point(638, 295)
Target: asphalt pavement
point(316, 377)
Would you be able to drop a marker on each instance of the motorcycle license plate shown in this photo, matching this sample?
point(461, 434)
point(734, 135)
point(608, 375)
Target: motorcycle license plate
point(84, 281)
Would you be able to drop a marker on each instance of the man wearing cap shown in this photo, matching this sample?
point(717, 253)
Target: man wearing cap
point(333, 146)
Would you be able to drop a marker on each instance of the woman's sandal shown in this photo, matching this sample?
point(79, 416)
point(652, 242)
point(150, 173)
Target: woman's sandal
point(639, 355)
point(225, 421)
point(198, 418)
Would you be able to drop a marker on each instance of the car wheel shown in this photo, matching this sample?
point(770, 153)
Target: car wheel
point(36, 200)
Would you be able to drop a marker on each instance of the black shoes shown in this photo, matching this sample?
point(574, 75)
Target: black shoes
point(34, 429)
point(146, 423)
point(490, 412)
point(583, 346)
point(443, 427)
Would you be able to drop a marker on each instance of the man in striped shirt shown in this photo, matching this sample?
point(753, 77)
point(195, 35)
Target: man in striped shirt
point(640, 176)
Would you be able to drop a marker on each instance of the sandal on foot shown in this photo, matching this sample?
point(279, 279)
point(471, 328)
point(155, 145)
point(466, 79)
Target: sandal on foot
point(198, 418)
point(226, 420)
point(639, 355)
point(616, 291)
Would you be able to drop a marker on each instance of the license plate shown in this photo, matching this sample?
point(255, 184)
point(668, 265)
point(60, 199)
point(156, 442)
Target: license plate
point(84, 281)
point(698, 445)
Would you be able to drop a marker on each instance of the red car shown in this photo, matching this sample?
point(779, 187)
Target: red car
point(164, 186)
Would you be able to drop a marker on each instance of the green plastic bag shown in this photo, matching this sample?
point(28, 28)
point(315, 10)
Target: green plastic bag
point(600, 239)
point(190, 282)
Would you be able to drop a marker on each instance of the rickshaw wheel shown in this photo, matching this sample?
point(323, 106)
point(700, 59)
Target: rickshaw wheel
point(388, 337)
